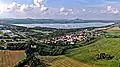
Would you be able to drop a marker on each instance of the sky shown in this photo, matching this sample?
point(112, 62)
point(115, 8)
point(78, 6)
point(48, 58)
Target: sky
point(61, 9)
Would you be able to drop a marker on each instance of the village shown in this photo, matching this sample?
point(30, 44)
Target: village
point(74, 38)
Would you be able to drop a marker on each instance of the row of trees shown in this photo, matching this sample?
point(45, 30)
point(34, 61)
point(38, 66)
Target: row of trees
point(16, 46)
point(51, 50)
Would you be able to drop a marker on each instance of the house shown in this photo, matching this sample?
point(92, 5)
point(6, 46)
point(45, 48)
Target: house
point(6, 31)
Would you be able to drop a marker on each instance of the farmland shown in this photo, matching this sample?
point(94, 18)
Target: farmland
point(110, 46)
point(114, 28)
point(9, 58)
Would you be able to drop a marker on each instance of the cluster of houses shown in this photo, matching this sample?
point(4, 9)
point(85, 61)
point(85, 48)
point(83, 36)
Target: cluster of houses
point(73, 38)
point(7, 33)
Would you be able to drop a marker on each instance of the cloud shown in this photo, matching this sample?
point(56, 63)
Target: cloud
point(66, 11)
point(23, 9)
point(39, 3)
point(44, 9)
point(109, 8)
point(38, 10)
point(113, 10)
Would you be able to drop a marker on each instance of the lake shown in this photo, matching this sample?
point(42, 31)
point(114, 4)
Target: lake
point(66, 26)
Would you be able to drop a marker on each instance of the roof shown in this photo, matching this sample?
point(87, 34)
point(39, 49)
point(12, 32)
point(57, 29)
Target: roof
point(6, 31)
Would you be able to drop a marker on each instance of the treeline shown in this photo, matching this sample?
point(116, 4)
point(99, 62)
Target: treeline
point(16, 46)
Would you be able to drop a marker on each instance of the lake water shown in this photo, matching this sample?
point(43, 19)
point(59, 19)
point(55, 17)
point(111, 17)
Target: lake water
point(66, 26)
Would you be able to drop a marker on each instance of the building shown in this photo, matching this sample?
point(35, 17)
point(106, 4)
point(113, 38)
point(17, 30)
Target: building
point(5, 31)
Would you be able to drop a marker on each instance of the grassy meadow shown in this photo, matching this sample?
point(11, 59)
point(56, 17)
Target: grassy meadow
point(110, 46)
point(113, 32)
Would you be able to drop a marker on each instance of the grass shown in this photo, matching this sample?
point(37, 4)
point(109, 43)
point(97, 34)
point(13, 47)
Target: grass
point(106, 45)
point(68, 62)
point(113, 32)
point(63, 61)
point(36, 31)
point(1, 32)
point(110, 46)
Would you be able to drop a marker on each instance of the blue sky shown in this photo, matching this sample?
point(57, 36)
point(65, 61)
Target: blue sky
point(18, 1)
point(65, 3)
point(84, 9)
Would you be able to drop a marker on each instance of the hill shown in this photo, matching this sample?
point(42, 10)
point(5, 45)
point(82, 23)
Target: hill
point(106, 45)
point(68, 62)
point(63, 61)
point(109, 45)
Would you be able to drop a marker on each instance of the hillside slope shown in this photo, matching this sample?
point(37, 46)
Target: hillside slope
point(105, 45)
point(68, 62)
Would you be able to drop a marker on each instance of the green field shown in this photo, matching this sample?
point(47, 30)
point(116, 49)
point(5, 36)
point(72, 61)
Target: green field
point(113, 32)
point(39, 31)
point(1, 32)
point(87, 53)
point(36, 31)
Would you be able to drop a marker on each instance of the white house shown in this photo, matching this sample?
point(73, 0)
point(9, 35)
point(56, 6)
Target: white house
point(6, 31)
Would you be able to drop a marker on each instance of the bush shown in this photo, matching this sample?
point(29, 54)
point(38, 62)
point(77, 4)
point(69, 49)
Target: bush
point(104, 56)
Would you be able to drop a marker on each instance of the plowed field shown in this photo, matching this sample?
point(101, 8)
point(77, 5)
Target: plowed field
point(9, 58)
